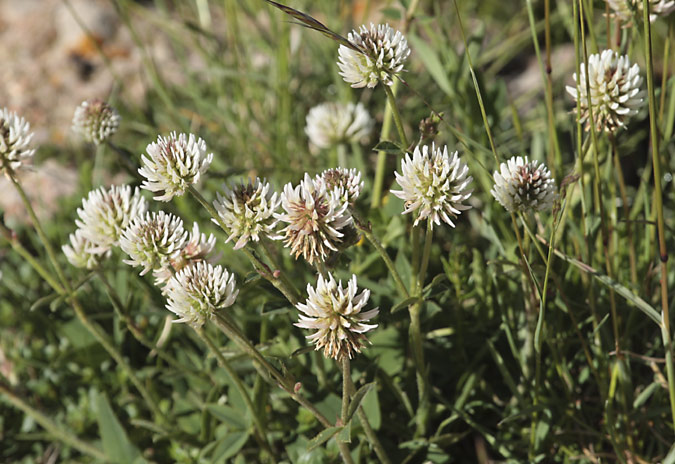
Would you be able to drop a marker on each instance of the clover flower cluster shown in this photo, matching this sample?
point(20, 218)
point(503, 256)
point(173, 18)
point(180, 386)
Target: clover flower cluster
point(615, 91)
point(625, 10)
point(522, 185)
point(330, 124)
point(335, 312)
point(95, 121)
point(15, 142)
point(435, 184)
point(382, 55)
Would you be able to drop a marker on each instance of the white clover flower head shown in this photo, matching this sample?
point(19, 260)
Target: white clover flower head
point(106, 213)
point(384, 52)
point(335, 313)
point(198, 291)
point(615, 90)
point(347, 182)
point(315, 216)
point(247, 210)
point(173, 164)
point(522, 185)
point(15, 138)
point(95, 121)
point(434, 183)
point(330, 124)
point(82, 253)
point(153, 241)
point(626, 10)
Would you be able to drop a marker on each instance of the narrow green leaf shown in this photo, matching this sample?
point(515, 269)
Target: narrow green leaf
point(387, 146)
point(227, 414)
point(646, 394)
point(323, 437)
point(405, 303)
point(432, 63)
point(357, 398)
point(228, 446)
point(116, 444)
point(303, 350)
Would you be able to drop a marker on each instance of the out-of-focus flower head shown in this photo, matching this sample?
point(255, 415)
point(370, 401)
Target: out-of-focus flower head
point(81, 252)
point(330, 124)
point(95, 121)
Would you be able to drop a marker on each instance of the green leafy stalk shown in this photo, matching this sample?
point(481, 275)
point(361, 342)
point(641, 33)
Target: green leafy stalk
point(658, 197)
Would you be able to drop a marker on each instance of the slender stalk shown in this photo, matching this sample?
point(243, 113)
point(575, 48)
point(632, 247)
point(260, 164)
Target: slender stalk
point(632, 258)
point(664, 78)
point(56, 430)
point(239, 385)
point(346, 382)
point(378, 182)
point(25, 254)
point(658, 196)
point(368, 233)
point(428, 239)
point(398, 121)
point(79, 310)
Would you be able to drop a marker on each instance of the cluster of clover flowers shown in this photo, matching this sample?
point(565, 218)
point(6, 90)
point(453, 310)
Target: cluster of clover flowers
point(314, 219)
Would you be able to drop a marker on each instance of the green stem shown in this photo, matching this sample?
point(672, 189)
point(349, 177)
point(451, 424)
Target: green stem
point(58, 431)
point(25, 254)
point(378, 182)
point(79, 310)
point(632, 256)
point(346, 381)
point(398, 121)
point(658, 196)
point(428, 239)
point(239, 385)
point(366, 230)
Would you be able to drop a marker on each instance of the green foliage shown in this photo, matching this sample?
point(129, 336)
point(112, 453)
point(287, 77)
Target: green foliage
point(492, 396)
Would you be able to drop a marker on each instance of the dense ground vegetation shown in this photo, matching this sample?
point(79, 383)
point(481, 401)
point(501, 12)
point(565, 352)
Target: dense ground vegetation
point(538, 334)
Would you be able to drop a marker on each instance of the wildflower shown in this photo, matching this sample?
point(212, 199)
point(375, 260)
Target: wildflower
point(434, 183)
point(315, 217)
point(347, 182)
point(15, 138)
point(384, 53)
point(95, 121)
point(173, 164)
point(615, 90)
point(626, 9)
point(106, 213)
point(198, 291)
point(81, 252)
point(521, 185)
point(247, 210)
point(330, 124)
point(153, 241)
point(335, 313)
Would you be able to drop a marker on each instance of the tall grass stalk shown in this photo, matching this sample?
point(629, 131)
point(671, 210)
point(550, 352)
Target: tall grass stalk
point(658, 197)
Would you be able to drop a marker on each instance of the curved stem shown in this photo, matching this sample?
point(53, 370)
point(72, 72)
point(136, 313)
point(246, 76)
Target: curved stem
point(239, 385)
point(56, 430)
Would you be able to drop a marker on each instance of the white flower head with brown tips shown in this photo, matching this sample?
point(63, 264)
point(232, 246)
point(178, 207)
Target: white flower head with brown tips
point(82, 253)
point(522, 185)
point(106, 213)
point(434, 183)
point(153, 241)
point(347, 182)
point(336, 314)
point(315, 217)
point(198, 291)
point(616, 92)
point(247, 210)
point(15, 142)
point(173, 164)
point(384, 52)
